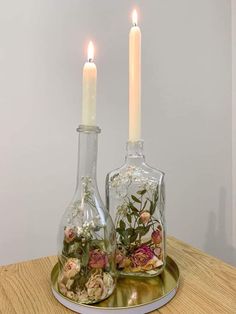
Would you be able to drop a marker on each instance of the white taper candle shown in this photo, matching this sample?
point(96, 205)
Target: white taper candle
point(89, 89)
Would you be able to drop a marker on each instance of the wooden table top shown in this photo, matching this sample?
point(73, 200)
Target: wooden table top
point(207, 285)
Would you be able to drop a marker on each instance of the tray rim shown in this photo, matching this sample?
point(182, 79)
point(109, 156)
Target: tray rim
point(93, 306)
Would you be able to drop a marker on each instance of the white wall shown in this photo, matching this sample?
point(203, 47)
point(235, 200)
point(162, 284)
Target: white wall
point(186, 97)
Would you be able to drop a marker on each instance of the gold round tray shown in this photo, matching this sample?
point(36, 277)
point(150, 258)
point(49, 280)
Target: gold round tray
point(132, 295)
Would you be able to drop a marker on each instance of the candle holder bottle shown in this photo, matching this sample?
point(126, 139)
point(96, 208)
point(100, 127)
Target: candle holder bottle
point(135, 196)
point(86, 239)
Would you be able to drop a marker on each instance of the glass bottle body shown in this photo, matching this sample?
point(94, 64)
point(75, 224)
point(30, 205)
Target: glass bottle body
point(86, 238)
point(135, 195)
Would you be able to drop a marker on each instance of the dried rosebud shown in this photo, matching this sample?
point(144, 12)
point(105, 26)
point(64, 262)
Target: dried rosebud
point(71, 267)
point(145, 217)
point(70, 234)
point(156, 237)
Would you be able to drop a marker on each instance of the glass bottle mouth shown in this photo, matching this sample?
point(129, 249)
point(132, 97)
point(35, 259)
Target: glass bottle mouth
point(88, 129)
point(135, 149)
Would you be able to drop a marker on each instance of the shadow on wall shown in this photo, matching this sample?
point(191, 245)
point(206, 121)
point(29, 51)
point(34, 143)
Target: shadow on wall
point(217, 243)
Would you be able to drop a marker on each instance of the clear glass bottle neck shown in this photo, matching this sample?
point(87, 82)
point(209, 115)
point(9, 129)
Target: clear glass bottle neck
point(87, 154)
point(134, 152)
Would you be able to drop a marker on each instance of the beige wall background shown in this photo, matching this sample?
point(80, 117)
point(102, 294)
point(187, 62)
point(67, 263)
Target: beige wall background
point(186, 110)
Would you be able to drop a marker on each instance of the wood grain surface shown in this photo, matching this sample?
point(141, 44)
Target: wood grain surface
point(207, 285)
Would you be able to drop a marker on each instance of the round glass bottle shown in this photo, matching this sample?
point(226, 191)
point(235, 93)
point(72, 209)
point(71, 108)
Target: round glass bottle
point(86, 238)
point(135, 198)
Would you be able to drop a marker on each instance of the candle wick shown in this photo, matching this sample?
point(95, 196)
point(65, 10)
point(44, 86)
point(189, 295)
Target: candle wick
point(90, 60)
point(134, 24)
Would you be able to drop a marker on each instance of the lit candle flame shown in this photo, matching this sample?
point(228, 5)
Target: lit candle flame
point(90, 51)
point(135, 17)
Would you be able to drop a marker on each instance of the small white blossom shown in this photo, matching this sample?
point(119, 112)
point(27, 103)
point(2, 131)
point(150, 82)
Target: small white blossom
point(79, 231)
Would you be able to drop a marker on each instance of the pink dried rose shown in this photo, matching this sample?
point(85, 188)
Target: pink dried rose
point(70, 234)
point(71, 267)
point(97, 259)
point(142, 255)
point(156, 236)
point(145, 217)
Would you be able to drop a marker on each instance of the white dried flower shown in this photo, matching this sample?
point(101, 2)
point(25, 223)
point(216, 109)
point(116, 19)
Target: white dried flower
point(71, 295)
point(82, 296)
point(69, 284)
point(95, 287)
point(79, 231)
